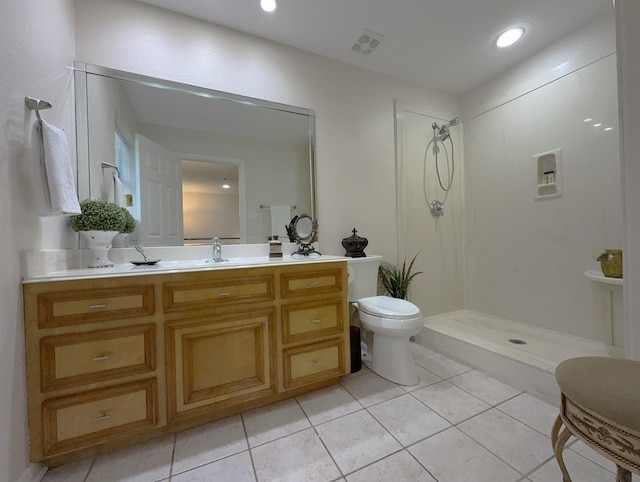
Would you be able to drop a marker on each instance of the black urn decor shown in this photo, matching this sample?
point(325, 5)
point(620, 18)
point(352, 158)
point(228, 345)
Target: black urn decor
point(355, 245)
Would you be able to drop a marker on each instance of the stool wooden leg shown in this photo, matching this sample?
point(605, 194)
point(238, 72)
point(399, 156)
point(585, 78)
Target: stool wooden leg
point(623, 475)
point(558, 446)
point(555, 431)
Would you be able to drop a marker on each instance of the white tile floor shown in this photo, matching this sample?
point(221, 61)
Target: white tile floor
point(457, 424)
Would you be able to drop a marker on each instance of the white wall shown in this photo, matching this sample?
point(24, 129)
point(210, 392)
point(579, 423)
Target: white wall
point(628, 42)
point(207, 213)
point(37, 41)
point(354, 107)
point(525, 258)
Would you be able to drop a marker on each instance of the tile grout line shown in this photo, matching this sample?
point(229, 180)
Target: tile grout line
point(524, 475)
point(420, 463)
point(211, 462)
point(497, 407)
point(86, 477)
point(313, 427)
point(173, 455)
point(246, 439)
point(406, 449)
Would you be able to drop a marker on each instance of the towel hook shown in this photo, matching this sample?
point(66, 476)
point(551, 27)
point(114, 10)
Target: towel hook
point(36, 104)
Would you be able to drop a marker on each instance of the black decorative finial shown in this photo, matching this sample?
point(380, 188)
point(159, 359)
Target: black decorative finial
point(355, 245)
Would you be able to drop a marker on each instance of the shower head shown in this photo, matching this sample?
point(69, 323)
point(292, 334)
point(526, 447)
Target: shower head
point(442, 132)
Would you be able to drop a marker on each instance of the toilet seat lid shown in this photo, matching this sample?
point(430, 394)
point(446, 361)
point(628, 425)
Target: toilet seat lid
point(387, 307)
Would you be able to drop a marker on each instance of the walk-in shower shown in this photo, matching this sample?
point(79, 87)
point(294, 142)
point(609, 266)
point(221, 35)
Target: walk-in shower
point(440, 135)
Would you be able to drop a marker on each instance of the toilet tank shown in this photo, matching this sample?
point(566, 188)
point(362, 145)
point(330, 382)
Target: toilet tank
point(363, 277)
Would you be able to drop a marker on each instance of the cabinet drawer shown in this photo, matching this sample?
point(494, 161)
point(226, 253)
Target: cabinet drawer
point(91, 417)
point(62, 308)
point(189, 295)
point(82, 358)
point(306, 321)
point(313, 363)
point(308, 283)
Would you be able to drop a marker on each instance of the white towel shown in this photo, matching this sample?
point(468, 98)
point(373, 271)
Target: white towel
point(118, 190)
point(280, 218)
point(54, 180)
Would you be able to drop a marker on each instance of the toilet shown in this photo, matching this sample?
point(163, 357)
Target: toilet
point(392, 321)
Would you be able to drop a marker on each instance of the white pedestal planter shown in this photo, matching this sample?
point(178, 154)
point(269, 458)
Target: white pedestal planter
point(99, 243)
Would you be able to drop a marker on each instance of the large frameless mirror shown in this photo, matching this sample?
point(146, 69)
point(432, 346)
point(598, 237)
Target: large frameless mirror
point(192, 163)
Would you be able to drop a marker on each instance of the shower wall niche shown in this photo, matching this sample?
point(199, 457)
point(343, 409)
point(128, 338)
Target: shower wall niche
point(548, 174)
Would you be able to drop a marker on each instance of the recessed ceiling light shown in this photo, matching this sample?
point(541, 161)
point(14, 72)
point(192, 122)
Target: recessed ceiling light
point(608, 129)
point(509, 37)
point(588, 119)
point(226, 186)
point(268, 5)
point(597, 125)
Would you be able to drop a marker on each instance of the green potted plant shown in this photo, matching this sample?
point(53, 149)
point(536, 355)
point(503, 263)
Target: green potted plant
point(99, 222)
point(396, 280)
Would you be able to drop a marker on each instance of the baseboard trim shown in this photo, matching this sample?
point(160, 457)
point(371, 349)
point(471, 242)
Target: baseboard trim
point(34, 473)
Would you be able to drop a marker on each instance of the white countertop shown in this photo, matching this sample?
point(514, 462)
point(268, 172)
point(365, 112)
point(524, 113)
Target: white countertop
point(178, 266)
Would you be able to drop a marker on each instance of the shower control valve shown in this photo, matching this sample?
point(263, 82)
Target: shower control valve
point(437, 209)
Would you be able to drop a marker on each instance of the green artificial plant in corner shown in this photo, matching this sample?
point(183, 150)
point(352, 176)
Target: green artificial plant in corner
point(396, 280)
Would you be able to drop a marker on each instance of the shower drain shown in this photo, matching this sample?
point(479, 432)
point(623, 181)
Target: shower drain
point(516, 341)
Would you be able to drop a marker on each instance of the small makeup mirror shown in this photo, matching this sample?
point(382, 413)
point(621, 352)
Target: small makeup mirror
point(304, 232)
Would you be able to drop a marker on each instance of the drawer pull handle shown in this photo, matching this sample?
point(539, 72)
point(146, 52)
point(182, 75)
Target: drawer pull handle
point(101, 358)
point(105, 416)
point(97, 307)
point(314, 284)
point(316, 363)
point(316, 321)
point(224, 294)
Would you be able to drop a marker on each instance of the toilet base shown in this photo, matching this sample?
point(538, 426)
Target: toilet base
point(392, 359)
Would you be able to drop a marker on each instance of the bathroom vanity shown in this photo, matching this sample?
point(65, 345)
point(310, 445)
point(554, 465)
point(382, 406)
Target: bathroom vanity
point(118, 358)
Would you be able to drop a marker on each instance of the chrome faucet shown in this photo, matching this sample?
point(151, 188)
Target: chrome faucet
point(217, 250)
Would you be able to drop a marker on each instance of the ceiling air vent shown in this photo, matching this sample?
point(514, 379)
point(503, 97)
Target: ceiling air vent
point(367, 42)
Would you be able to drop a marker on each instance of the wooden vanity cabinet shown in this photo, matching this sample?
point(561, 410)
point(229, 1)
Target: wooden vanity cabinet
point(111, 361)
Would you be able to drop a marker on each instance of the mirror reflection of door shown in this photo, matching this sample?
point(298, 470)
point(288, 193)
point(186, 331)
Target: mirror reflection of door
point(160, 188)
point(211, 202)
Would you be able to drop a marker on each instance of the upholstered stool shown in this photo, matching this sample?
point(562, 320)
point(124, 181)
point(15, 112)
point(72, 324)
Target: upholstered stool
point(601, 407)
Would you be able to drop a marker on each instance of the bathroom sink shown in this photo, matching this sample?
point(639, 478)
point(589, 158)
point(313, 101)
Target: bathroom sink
point(209, 263)
point(237, 261)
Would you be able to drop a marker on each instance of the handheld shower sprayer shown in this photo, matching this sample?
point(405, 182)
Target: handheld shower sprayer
point(442, 132)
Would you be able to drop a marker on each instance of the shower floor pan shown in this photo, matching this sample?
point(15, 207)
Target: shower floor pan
point(522, 355)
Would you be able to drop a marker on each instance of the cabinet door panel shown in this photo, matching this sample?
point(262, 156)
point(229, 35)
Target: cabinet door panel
point(220, 358)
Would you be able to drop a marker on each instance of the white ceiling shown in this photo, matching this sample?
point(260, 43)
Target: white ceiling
point(442, 44)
